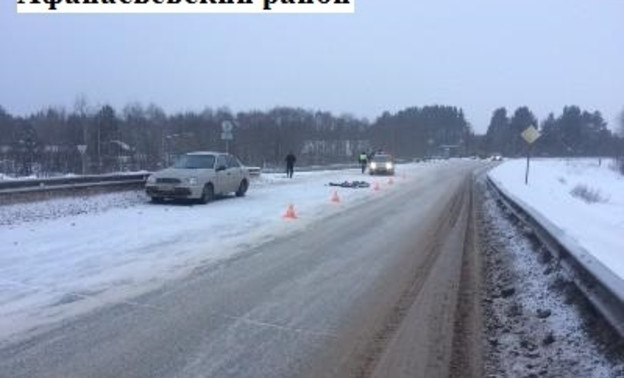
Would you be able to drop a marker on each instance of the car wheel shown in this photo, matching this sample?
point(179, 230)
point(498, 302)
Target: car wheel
point(157, 199)
point(242, 188)
point(207, 194)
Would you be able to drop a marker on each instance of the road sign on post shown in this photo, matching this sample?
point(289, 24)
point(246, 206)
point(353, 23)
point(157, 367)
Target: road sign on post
point(82, 148)
point(227, 126)
point(530, 135)
point(226, 134)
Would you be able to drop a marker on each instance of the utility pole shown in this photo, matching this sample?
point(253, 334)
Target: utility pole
point(99, 147)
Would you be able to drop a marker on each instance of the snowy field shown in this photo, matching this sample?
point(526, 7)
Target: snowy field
point(67, 256)
point(584, 200)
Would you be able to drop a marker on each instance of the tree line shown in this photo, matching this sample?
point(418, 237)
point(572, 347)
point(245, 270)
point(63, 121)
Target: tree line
point(137, 137)
point(146, 138)
point(574, 132)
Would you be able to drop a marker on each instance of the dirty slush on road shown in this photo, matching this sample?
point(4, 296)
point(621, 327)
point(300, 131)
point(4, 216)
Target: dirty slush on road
point(535, 322)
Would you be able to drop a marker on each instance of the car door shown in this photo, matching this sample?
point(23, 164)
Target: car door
point(222, 176)
point(236, 173)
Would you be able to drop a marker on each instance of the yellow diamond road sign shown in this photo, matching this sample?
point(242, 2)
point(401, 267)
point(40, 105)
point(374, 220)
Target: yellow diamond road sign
point(530, 134)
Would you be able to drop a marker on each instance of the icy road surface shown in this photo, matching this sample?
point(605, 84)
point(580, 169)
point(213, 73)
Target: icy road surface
point(67, 256)
point(368, 287)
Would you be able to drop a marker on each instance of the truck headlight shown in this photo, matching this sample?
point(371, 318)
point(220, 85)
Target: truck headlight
point(151, 179)
point(388, 165)
point(374, 165)
point(192, 180)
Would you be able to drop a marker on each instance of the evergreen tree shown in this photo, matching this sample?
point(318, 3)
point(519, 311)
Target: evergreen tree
point(27, 147)
point(417, 132)
point(497, 132)
point(106, 130)
point(549, 141)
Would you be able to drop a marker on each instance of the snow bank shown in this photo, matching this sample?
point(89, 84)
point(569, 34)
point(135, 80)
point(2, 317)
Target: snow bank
point(63, 207)
point(5, 177)
point(520, 342)
point(67, 256)
point(599, 226)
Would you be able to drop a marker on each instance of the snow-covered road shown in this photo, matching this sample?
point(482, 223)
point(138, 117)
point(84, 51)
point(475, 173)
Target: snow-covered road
point(366, 288)
point(68, 256)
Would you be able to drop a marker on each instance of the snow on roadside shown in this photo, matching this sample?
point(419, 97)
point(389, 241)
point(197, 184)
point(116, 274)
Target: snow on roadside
point(64, 207)
point(67, 256)
point(536, 323)
point(598, 226)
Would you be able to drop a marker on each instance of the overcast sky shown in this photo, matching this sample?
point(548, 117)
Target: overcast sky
point(391, 54)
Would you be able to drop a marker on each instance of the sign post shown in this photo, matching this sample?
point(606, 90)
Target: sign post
point(226, 134)
point(530, 135)
point(82, 148)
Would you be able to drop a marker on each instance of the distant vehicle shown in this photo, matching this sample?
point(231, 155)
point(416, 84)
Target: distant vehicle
point(201, 176)
point(496, 157)
point(381, 164)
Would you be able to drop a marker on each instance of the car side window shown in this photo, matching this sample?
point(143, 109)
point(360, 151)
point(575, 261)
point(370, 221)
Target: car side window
point(232, 162)
point(221, 162)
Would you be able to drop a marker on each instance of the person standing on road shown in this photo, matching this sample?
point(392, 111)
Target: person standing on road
point(363, 161)
point(290, 164)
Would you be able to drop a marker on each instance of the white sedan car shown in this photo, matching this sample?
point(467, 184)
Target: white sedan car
point(381, 164)
point(201, 176)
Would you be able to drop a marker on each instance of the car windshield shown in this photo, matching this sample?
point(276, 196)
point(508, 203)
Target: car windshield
point(195, 162)
point(381, 159)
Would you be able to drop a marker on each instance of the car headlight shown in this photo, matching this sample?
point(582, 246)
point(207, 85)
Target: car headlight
point(388, 165)
point(374, 165)
point(151, 179)
point(191, 180)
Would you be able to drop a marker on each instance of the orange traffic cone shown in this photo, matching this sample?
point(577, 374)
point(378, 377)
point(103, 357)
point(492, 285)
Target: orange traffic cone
point(290, 213)
point(390, 181)
point(335, 198)
point(376, 187)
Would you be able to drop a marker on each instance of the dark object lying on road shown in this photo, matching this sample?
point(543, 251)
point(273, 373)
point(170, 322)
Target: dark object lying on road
point(352, 184)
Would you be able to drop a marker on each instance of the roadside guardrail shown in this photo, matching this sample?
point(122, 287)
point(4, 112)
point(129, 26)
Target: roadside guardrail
point(603, 288)
point(15, 191)
point(57, 183)
point(254, 171)
point(42, 188)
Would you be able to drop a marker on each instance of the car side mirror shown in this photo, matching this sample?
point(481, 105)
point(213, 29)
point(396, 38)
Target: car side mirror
point(221, 168)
